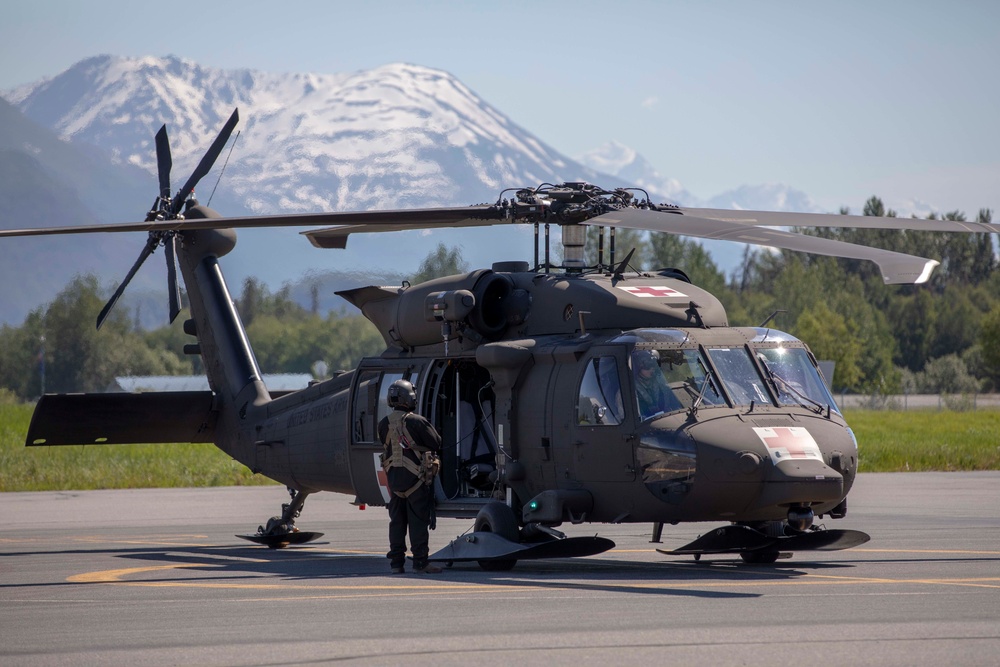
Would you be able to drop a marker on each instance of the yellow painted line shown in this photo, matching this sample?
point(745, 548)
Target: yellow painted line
point(425, 588)
point(115, 576)
point(118, 576)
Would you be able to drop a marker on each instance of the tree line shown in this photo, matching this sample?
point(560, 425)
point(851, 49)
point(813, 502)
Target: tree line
point(943, 336)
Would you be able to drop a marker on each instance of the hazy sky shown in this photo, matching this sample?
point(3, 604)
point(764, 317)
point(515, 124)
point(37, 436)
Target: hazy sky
point(840, 99)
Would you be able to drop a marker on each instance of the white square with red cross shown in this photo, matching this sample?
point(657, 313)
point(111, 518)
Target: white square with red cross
point(652, 291)
point(788, 443)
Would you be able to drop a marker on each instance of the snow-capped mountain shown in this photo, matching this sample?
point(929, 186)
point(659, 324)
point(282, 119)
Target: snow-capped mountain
point(398, 136)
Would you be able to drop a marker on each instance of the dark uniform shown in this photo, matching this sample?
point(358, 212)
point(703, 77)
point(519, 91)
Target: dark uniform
point(405, 437)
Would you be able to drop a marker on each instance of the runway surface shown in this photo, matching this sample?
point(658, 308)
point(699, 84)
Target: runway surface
point(157, 577)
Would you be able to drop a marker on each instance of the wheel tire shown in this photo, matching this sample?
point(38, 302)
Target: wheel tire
point(759, 557)
point(496, 517)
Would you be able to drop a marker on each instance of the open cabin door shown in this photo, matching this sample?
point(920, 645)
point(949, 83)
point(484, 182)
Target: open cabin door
point(459, 401)
point(368, 407)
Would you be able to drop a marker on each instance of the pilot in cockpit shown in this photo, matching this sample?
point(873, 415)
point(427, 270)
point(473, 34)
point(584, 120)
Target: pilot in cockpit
point(651, 389)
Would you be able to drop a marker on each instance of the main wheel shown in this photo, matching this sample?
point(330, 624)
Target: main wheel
point(759, 557)
point(497, 517)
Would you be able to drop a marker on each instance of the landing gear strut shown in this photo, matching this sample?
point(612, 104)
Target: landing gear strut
point(280, 531)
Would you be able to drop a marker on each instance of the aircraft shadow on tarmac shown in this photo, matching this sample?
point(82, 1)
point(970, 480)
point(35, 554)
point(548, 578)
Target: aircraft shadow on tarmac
point(235, 565)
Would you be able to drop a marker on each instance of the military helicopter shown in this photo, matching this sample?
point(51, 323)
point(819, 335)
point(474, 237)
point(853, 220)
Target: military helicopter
point(564, 394)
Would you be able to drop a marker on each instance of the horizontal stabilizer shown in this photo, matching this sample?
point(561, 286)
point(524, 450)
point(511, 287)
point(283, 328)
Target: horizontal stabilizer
point(121, 418)
point(484, 546)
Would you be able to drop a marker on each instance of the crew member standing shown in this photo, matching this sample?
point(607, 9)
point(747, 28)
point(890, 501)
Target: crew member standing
point(410, 459)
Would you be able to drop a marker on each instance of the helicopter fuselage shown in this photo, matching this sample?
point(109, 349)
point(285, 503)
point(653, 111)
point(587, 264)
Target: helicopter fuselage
point(552, 422)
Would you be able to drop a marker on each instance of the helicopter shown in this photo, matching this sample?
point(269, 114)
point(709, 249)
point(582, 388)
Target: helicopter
point(564, 393)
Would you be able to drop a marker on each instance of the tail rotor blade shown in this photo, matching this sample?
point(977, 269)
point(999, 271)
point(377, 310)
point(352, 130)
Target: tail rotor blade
point(146, 252)
point(163, 162)
point(173, 290)
point(206, 163)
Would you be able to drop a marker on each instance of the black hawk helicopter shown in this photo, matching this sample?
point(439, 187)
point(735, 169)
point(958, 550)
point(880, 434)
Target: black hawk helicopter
point(563, 394)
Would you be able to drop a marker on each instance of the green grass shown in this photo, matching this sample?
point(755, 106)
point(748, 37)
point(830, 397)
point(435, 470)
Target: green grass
point(888, 442)
point(922, 440)
point(109, 466)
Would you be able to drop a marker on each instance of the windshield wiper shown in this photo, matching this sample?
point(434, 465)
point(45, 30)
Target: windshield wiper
point(789, 388)
point(693, 410)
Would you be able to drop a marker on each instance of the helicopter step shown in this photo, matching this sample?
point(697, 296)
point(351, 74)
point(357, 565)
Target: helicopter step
point(757, 547)
point(488, 547)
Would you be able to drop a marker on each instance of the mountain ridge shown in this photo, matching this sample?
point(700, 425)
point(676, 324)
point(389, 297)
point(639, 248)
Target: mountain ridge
point(396, 136)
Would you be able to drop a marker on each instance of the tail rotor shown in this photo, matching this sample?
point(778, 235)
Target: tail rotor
point(167, 208)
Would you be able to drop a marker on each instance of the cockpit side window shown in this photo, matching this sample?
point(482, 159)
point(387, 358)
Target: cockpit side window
point(739, 375)
point(599, 402)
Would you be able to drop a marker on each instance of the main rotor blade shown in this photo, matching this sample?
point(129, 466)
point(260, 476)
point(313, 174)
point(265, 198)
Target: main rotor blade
point(787, 219)
point(163, 161)
point(897, 268)
point(403, 219)
point(147, 250)
point(173, 290)
point(206, 163)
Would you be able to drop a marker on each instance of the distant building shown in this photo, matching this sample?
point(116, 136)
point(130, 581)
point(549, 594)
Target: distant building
point(277, 383)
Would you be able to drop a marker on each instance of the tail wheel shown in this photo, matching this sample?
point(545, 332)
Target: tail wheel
point(497, 517)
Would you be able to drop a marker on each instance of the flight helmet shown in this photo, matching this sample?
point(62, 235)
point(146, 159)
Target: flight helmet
point(401, 396)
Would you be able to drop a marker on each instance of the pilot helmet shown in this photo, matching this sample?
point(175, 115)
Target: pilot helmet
point(645, 359)
point(401, 396)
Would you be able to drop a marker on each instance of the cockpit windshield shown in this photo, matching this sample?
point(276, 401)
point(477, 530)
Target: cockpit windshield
point(795, 377)
point(739, 375)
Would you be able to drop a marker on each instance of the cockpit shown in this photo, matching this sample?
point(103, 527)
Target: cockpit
point(674, 370)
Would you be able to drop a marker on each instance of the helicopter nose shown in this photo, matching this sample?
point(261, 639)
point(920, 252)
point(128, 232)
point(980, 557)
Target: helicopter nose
point(775, 467)
point(800, 483)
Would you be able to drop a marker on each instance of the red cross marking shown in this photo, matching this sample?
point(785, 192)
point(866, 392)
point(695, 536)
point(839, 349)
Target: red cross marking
point(381, 477)
point(789, 442)
point(652, 291)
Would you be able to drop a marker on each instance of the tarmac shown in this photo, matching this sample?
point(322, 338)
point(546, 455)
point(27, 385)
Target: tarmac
point(158, 577)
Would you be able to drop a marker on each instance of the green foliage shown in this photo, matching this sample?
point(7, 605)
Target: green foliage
point(61, 339)
point(293, 345)
point(830, 337)
point(946, 375)
point(441, 262)
point(989, 340)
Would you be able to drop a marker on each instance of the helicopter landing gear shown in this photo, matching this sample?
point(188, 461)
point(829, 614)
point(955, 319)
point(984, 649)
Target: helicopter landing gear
point(496, 517)
point(280, 531)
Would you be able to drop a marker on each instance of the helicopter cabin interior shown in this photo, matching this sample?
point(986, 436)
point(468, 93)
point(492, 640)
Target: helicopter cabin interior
point(456, 396)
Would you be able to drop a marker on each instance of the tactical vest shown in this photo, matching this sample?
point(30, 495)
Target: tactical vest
point(398, 440)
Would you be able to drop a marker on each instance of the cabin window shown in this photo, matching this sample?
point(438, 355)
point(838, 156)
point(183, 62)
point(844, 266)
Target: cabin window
point(739, 375)
point(600, 398)
point(365, 406)
point(382, 407)
point(370, 404)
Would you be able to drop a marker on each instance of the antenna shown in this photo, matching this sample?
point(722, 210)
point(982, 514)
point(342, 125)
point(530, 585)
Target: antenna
point(223, 170)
